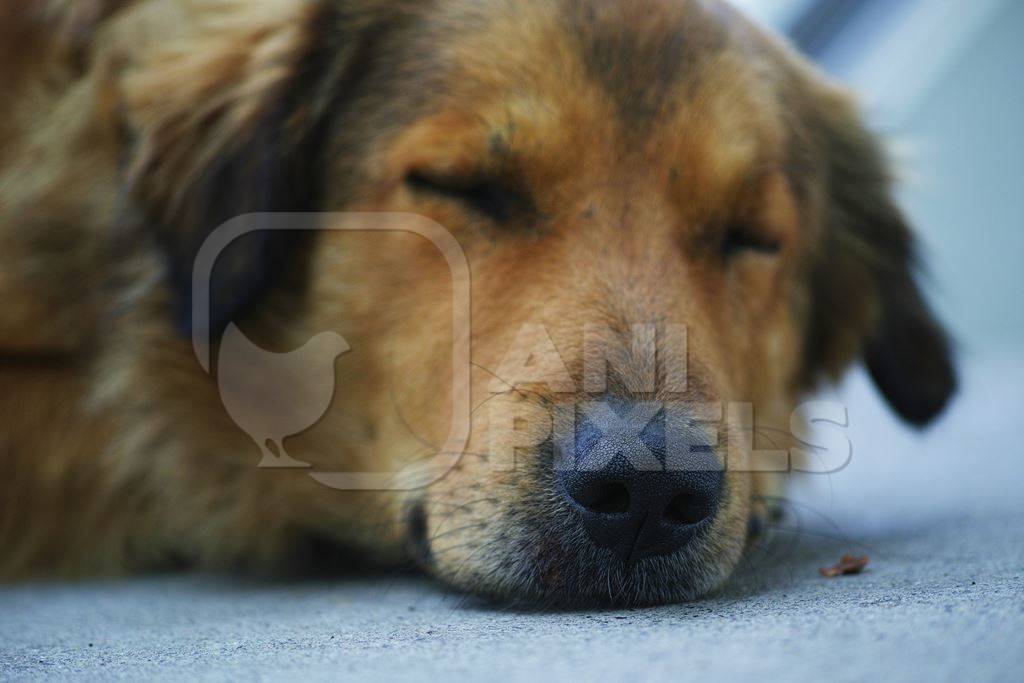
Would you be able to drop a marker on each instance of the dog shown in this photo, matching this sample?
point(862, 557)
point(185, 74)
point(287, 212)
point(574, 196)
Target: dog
point(626, 183)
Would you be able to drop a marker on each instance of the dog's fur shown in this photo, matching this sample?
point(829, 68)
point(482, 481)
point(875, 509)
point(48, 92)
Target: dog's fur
point(622, 145)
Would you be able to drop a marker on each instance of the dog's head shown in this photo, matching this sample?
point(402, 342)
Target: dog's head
point(666, 214)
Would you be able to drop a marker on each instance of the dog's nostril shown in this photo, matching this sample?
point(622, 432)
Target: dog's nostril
point(606, 499)
point(686, 509)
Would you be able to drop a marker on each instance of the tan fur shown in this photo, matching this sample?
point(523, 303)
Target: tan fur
point(121, 454)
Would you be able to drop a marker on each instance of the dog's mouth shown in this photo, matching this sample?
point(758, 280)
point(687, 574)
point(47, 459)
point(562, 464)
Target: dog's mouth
point(419, 541)
point(552, 566)
point(537, 554)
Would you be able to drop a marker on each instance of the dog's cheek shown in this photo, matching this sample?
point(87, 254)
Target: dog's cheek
point(730, 528)
point(480, 510)
point(461, 533)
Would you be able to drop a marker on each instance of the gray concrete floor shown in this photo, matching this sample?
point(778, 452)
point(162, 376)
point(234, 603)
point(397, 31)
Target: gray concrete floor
point(941, 515)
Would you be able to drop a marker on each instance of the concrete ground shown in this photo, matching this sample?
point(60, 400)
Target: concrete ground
point(941, 515)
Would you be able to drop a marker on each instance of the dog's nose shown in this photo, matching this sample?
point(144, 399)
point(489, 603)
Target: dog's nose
point(643, 478)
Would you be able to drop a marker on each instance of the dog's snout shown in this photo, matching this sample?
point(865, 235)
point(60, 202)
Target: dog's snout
point(643, 478)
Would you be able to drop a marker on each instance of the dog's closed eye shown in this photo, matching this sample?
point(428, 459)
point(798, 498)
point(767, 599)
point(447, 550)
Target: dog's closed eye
point(483, 195)
point(740, 239)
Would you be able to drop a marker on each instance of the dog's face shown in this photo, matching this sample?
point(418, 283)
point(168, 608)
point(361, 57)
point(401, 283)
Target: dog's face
point(631, 183)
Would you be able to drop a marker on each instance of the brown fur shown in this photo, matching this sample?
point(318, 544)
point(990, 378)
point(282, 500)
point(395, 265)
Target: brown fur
point(628, 140)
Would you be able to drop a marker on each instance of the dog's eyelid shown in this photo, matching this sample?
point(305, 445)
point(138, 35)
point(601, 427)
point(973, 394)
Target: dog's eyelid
point(481, 193)
point(444, 181)
point(741, 238)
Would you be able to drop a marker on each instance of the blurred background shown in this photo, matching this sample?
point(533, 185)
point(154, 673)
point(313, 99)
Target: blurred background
point(944, 81)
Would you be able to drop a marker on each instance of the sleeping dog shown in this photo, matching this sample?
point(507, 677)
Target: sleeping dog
point(657, 227)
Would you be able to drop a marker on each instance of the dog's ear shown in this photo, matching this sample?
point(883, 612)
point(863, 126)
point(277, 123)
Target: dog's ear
point(232, 120)
point(866, 298)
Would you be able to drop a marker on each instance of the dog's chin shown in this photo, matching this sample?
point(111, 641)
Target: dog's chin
point(557, 567)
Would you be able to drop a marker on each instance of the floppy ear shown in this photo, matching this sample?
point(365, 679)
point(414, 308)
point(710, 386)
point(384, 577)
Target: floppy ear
point(908, 355)
point(866, 297)
point(231, 122)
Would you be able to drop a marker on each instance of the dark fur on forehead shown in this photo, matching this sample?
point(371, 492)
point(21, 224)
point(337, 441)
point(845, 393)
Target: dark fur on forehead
point(643, 53)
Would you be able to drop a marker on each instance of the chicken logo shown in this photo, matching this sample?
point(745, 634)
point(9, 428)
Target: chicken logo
point(272, 396)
